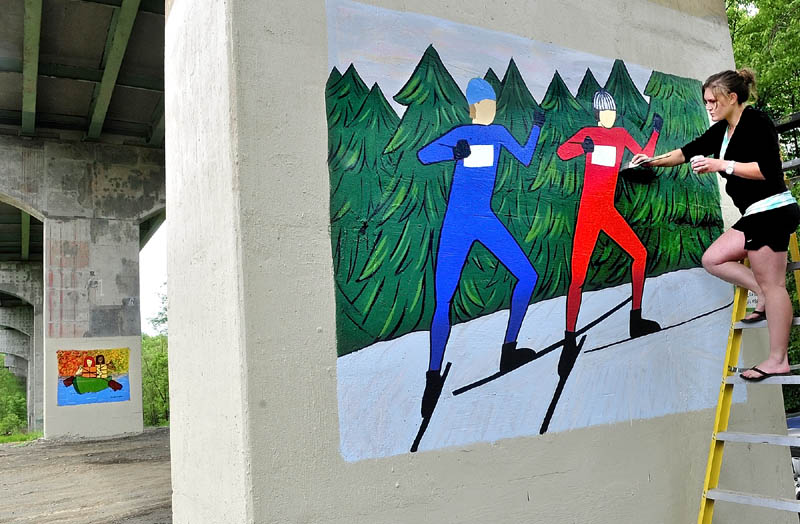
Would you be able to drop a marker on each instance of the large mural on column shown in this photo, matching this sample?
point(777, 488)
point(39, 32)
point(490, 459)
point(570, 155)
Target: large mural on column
point(501, 269)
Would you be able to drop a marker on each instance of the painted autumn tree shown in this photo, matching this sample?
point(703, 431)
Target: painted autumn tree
point(362, 174)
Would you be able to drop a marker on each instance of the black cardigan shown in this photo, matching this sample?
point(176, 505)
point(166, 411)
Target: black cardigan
point(753, 140)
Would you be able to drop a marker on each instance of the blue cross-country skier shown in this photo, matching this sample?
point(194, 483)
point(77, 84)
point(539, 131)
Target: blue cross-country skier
point(475, 149)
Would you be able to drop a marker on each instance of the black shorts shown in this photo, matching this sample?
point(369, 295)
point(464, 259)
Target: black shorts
point(769, 228)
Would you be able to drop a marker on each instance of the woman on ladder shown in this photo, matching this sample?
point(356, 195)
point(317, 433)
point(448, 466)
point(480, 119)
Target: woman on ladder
point(743, 147)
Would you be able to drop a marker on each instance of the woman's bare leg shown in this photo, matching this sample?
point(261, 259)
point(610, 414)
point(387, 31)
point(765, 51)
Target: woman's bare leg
point(722, 258)
point(769, 269)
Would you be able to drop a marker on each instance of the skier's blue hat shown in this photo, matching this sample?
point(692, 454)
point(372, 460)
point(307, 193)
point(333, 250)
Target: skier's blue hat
point(479, 89)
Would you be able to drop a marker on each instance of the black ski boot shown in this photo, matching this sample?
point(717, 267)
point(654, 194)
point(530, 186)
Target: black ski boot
point(569, 354)
point(639, 326)
point(434, 382)
point(512, 357)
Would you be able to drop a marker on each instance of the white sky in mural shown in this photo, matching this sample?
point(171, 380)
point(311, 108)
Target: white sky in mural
point(385, 47)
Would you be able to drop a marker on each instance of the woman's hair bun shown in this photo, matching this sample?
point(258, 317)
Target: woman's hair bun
point(748, 76)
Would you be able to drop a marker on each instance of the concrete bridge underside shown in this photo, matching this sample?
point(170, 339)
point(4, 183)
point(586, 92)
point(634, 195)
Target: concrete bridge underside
point(81, 190)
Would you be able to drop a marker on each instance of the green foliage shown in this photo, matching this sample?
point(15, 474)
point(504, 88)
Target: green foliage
point(20, 437)
point(766, 36)
point(13, 406)
point(387, 208)
point(155, 370)
point(155, 380)
point(159, 322)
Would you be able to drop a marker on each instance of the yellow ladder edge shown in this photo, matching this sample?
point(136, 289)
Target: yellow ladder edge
point(720, 434)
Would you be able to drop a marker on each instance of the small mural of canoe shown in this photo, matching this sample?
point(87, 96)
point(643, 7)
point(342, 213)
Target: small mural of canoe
point(91, 384)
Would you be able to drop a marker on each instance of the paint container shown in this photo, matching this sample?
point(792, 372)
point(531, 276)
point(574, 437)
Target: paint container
point(692, 160)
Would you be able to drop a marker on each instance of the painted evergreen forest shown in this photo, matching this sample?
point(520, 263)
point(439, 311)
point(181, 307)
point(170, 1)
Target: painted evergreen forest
point(386, 208)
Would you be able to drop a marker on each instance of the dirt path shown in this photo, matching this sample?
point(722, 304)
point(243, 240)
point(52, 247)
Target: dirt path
point(125, 480)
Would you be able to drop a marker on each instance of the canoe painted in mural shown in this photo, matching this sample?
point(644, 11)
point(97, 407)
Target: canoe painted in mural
point(93, 376)
point(500, 270)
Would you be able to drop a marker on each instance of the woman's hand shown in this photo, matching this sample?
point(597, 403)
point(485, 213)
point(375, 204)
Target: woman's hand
point(708, 165)
point(638, 159)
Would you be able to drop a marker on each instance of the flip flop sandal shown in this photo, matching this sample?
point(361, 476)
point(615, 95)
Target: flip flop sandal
point(759, 316)
point(762, 375)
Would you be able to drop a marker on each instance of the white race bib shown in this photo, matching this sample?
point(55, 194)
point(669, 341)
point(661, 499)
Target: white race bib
point(604, 156)
point(480, 156)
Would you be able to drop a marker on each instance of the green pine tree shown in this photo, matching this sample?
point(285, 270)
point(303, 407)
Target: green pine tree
point(399, 296)
point(494, 81)
point(363, 174)
point(589, 86)
point(631, 105)
point(677, 216)
point(343, 97)
point(486, 284)
point(557, 188)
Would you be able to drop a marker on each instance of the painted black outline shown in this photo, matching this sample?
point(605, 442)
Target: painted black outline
point(425, 421)
point(542, 352)
point(562, 381)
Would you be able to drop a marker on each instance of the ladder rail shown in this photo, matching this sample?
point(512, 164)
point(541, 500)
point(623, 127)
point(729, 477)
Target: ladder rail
point(720, 435)
point(722, 415)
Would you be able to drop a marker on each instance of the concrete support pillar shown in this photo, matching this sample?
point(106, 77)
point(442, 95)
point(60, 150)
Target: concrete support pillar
point(91, 301)
point(13, 342)
point(24, 280)
point(92, 198)
point(36, 376)
point(17, 365)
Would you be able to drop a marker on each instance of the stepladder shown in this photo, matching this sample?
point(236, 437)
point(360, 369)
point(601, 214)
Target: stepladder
point(711, 491)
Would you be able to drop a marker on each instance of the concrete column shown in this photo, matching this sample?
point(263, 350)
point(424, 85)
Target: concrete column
point(19, 318)
point(36, 377)
point(13, 342)
point(17, 365)
point(255, 433)
point(91, 302)
point(24, 280)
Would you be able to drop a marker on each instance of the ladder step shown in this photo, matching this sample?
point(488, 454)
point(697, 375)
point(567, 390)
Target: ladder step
point(759, 438)
point(793, 367)
point(791, 266)
point(761, 324)
point(737, 380)
point(753, 500)
point(791, 164)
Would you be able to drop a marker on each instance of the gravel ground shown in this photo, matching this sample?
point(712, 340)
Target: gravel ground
point(122, 480)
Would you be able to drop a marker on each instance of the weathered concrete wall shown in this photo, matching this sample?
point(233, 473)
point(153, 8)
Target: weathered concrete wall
point(249, 173)
point(51, 178)
point(19, 318)
point(91, 197)
point(13, 342)
point(17, 365)
point(92, 294)
point(24, 280)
